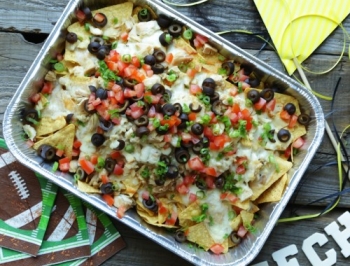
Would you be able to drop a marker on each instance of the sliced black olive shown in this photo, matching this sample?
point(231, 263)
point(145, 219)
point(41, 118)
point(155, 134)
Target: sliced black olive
point(107, 188)
point(30, 115)
point(157, 89)
point(121, 145)
point(93, 47)
point(167, 95)
point(235, 238)
point(101, 53)
point(86, 107)
point(122, 109)
point(165, 38)
point(71, 37)
point(165, 158)
point(290, 108)
point(247, 68)
point(163, 21)
point(92, 89)
point(141, 121)
point(195, 107)
point(209, 82)
point(197, 147)
point(105, 125)
point(178, 108)
point(47, 152)
point(220, 182)
point(209, 91)
point(304, 119)
point(197, 129)
point(129, 83)
point(140, 131)
point(267, 94)
point(180, 236)
point(215, 97)
point(150, 204)
point(184, 117)
point(97, 139)
point(254, 96)
point(99, 20)
point(200, 183)
point(149, 59)
point(69, 118)
point(87, 12)
point(173, 171)
point(159, 56)
point(109, 165)
point(161, 130)
point(283, 135)
point(144, 15)
point(158, 68)
point(218, 107)
point(168, 109)
point(229, 68)
point(205, 142)
point(80, 173)
point(97, 39)
point(159, 181)
point(253, 82)
point(175, 30)
point(270, 136)
point(182, 156)
point(101, 93)
point(120, 82)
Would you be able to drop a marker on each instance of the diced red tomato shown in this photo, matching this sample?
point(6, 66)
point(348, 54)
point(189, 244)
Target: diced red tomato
point(234, 91)
point(172, 219)
point(245, 114)
point(208, 133)
point(129, 93)
point(298, 143)
point(228, 196)
point(121, 211)
point(75, 153)
point(200, 40)
point(47, 88)
point(149, 73)
point(64, 167)
point(124, 36)
point(87, 166)
point(136, 61)
point(169, 58)
point(113, 56)
point(192, 116)
point(119, 96)
point(220, 141)
point(191, 72)
point(35, 98)
point(293, 121)
point(242, 231)
point(182, 189)
point(109, 199)
point(235, 108)
point(240, 170)
point(217, 249)
point(260, 104)
point(284, 115)
point(77, 144)
point(210, 171)
point(196, 164)
point(167, 138)
point(192, 197)
point(189, 179)
point(195, 89)
point(64, 160)
point(145, 195)
point(209, 181)
point(59, 152)
point(80, 15)
point(93, 159)
point(112, 65)
point(115, 154)
point(270, 106)
point(118, 170)
point(104, 179)
point(29, 143)
point(140, 89)
point(288, 152)
point(241, 75)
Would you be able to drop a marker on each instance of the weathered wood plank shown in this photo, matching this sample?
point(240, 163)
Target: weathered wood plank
point(40, 16)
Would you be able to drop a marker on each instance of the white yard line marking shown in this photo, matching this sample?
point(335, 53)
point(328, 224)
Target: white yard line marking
point(8, 159)
point(64, 225)
point(26, 216)
point(91, 221)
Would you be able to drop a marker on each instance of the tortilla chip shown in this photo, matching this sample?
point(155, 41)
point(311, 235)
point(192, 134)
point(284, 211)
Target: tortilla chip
point(275, 192)
point(83, 187)
point(199, 234)
point(162, 216)
point(259, 188)
point(247, 217)
point(140, 206)
point(131, 184)
point(64, 137)
point(236, 222)
point(48, 125)
point(185, 217)
point(153, 220)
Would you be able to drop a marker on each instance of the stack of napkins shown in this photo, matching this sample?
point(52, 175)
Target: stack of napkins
point(41, 224)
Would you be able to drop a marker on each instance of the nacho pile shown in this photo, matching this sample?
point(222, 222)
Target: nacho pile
point(145, 113)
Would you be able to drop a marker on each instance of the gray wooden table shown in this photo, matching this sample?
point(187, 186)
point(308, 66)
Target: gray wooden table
point(24, 25)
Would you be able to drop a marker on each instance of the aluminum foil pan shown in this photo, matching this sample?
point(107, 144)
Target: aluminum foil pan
point(251, 246)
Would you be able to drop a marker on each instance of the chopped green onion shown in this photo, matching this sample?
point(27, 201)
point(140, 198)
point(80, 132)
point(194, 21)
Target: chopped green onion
point(106, 38)
point(199, 218)
point(145, 173)
point(115, 20)
point(126, 58)
point(183, 67)
point(76, 177)
point(186, 109)
point(54, 167)
point(33, 121)
point(188, 34)
point(59, 67)
point(100, 162)
point(80, 38)
point(204, 151)
point(222, 71)
point(200, 194)
point(216, 129)
point(240, 88)
point(53, 61)
point(87, 26)
point(144, 12)
point(230, 100)
point(114, 45)
point(221, 58)
point(129, 148)
point(168, 38)
point(156, 122)
point(172, 77)
point(205, 119)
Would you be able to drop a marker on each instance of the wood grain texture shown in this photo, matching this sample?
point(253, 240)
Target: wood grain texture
point(16, 56)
